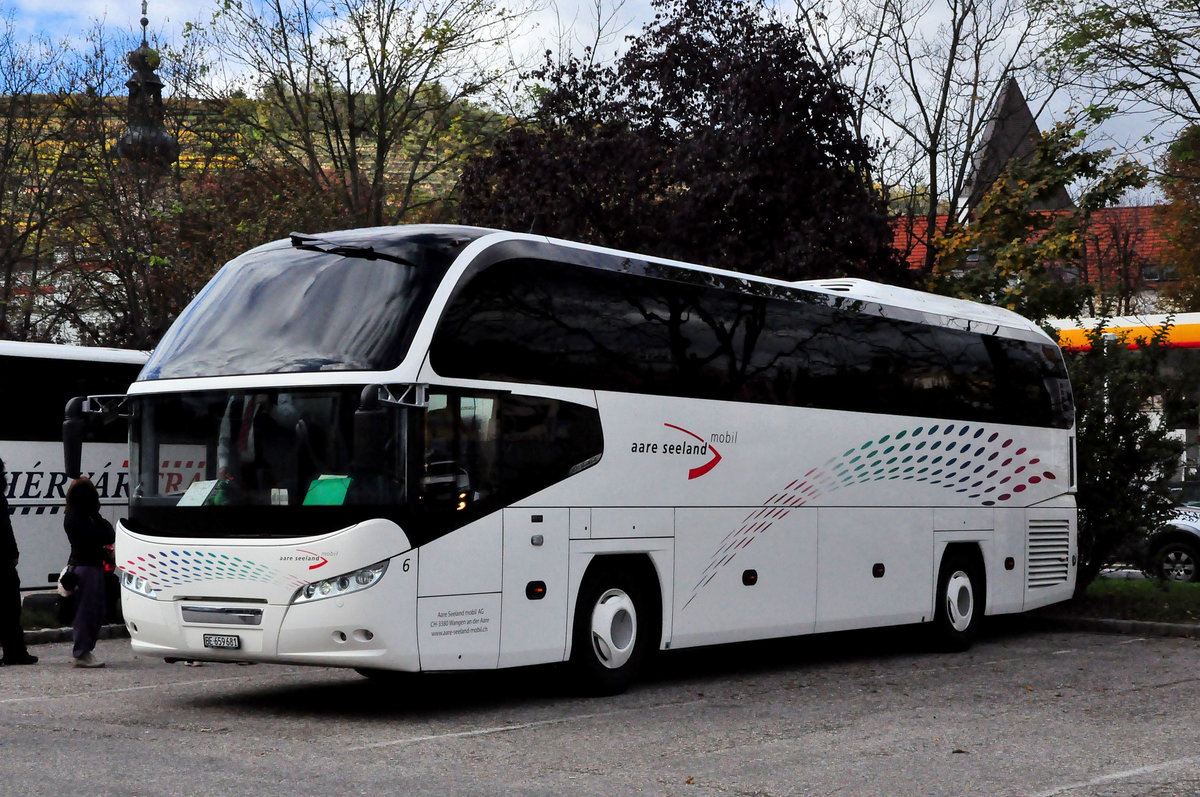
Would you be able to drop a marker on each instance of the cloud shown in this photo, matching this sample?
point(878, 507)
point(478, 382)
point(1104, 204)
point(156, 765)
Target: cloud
point(57, 20)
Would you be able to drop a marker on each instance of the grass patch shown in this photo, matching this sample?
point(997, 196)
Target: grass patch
point(1135, 599)
point(32, 620)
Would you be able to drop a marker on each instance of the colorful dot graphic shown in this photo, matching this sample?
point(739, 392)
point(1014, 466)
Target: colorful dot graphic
point(979, 464)
point(165, 569)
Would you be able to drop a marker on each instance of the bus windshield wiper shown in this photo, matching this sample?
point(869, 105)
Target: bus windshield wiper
point(315, 244)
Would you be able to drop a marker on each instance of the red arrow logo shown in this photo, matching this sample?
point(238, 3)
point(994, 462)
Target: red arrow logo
point(696, 473)
point(321, 563)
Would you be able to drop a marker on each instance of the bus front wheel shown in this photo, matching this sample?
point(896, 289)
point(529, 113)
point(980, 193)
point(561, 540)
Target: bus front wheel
point(614, 626)
point(960, 601)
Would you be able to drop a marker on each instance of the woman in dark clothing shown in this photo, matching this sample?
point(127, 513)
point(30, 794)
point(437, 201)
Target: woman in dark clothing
point(90, 534)
point(12, 638)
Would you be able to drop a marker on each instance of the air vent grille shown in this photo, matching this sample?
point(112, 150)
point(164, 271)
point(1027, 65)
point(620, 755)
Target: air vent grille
point(1048, 553)
point(843, 287)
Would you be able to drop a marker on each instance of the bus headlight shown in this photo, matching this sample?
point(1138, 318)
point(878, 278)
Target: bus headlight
point(136, 583)
point(336, 586)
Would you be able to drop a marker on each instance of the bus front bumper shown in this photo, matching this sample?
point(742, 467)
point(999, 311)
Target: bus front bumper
point(372, 628)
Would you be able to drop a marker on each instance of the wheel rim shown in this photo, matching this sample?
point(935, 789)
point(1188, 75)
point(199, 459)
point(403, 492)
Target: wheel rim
point(614, 628)
point(1178, 565)
point(960, 601)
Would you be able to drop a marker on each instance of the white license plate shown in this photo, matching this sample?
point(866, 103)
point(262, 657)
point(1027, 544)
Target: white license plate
point(225, 641)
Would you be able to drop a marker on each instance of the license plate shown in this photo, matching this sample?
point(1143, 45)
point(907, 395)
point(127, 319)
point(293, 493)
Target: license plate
point(226, 641)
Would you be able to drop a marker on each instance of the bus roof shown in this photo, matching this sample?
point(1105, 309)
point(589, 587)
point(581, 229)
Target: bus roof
point(56, 351)
point(954, 311)
point(921, 301)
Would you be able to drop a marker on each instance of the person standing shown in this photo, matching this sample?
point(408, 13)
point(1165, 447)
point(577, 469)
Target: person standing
point(90, 534)
point(12, 636)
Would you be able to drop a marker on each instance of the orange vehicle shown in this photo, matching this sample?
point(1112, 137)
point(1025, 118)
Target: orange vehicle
point(1183, 332)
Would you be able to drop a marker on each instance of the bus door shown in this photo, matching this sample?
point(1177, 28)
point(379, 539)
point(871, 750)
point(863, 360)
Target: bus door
point(533, 626)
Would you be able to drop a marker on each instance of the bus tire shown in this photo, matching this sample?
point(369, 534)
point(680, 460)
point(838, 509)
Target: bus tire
point(959, 602)
point(615, 627)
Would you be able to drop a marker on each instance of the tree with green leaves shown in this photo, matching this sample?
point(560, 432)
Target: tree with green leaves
point(1122, 51)
point(1125, 457)
point(716, 138)
point(1032, 261)
point(1180, 181)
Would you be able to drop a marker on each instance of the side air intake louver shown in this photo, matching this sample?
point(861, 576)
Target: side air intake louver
point(844, 287)
point(1048, 553)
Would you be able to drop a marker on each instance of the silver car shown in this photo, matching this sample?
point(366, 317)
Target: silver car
point(1173, 553)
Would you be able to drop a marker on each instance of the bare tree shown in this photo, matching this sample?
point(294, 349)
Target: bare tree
point(370, 98)
point(33, 182)
point(1114, 260)
point(927, 74)
point(114, 242)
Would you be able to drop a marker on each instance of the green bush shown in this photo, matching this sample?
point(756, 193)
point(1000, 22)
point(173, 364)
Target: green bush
point(1125, 457)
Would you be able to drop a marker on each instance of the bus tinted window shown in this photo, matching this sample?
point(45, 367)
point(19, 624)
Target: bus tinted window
point(35, 390)
point(281, 309)
point(552, 323)
point(493, 449)
point(258, 464)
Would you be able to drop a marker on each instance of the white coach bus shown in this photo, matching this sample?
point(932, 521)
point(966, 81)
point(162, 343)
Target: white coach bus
point(36, 381)
point(442, 448)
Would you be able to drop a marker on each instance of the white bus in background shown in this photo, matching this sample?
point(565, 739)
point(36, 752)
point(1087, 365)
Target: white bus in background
point(36, 381)
point(442, 448)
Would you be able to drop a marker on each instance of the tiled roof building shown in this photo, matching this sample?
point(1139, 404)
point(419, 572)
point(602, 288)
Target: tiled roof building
point(1125, 252)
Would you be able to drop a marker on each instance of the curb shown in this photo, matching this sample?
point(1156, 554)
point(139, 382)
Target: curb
point(45, 636)
point(1129, 627)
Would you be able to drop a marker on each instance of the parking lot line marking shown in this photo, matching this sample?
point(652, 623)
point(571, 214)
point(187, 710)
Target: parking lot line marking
point(93, 693)
point(1166, 685)
point(466, 734)
point(1125, 775)
point(516, 727)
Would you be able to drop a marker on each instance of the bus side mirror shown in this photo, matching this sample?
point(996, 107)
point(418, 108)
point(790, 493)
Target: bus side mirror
point(370, 432)
point(73, 424)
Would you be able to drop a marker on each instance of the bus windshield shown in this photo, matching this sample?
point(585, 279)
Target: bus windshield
point(291, 462)
point(237, 455)
point(350, 303)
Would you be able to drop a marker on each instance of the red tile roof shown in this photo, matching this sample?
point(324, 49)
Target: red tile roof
point(1140, 229)
point(911, 238)
point(1115, 238)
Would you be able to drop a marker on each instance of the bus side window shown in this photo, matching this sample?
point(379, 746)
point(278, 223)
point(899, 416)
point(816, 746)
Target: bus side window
point(458, 450)
point(499, 448)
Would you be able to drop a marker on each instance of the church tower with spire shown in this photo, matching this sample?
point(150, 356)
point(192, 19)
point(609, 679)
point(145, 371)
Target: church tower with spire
point(1011, 134)
point(145, 146)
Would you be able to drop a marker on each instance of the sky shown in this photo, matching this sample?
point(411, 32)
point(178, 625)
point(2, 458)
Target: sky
point(72, 18)
point(59, 19)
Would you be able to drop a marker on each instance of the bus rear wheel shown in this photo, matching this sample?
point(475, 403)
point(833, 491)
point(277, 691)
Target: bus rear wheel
point(615, 625)
point(960, 602)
